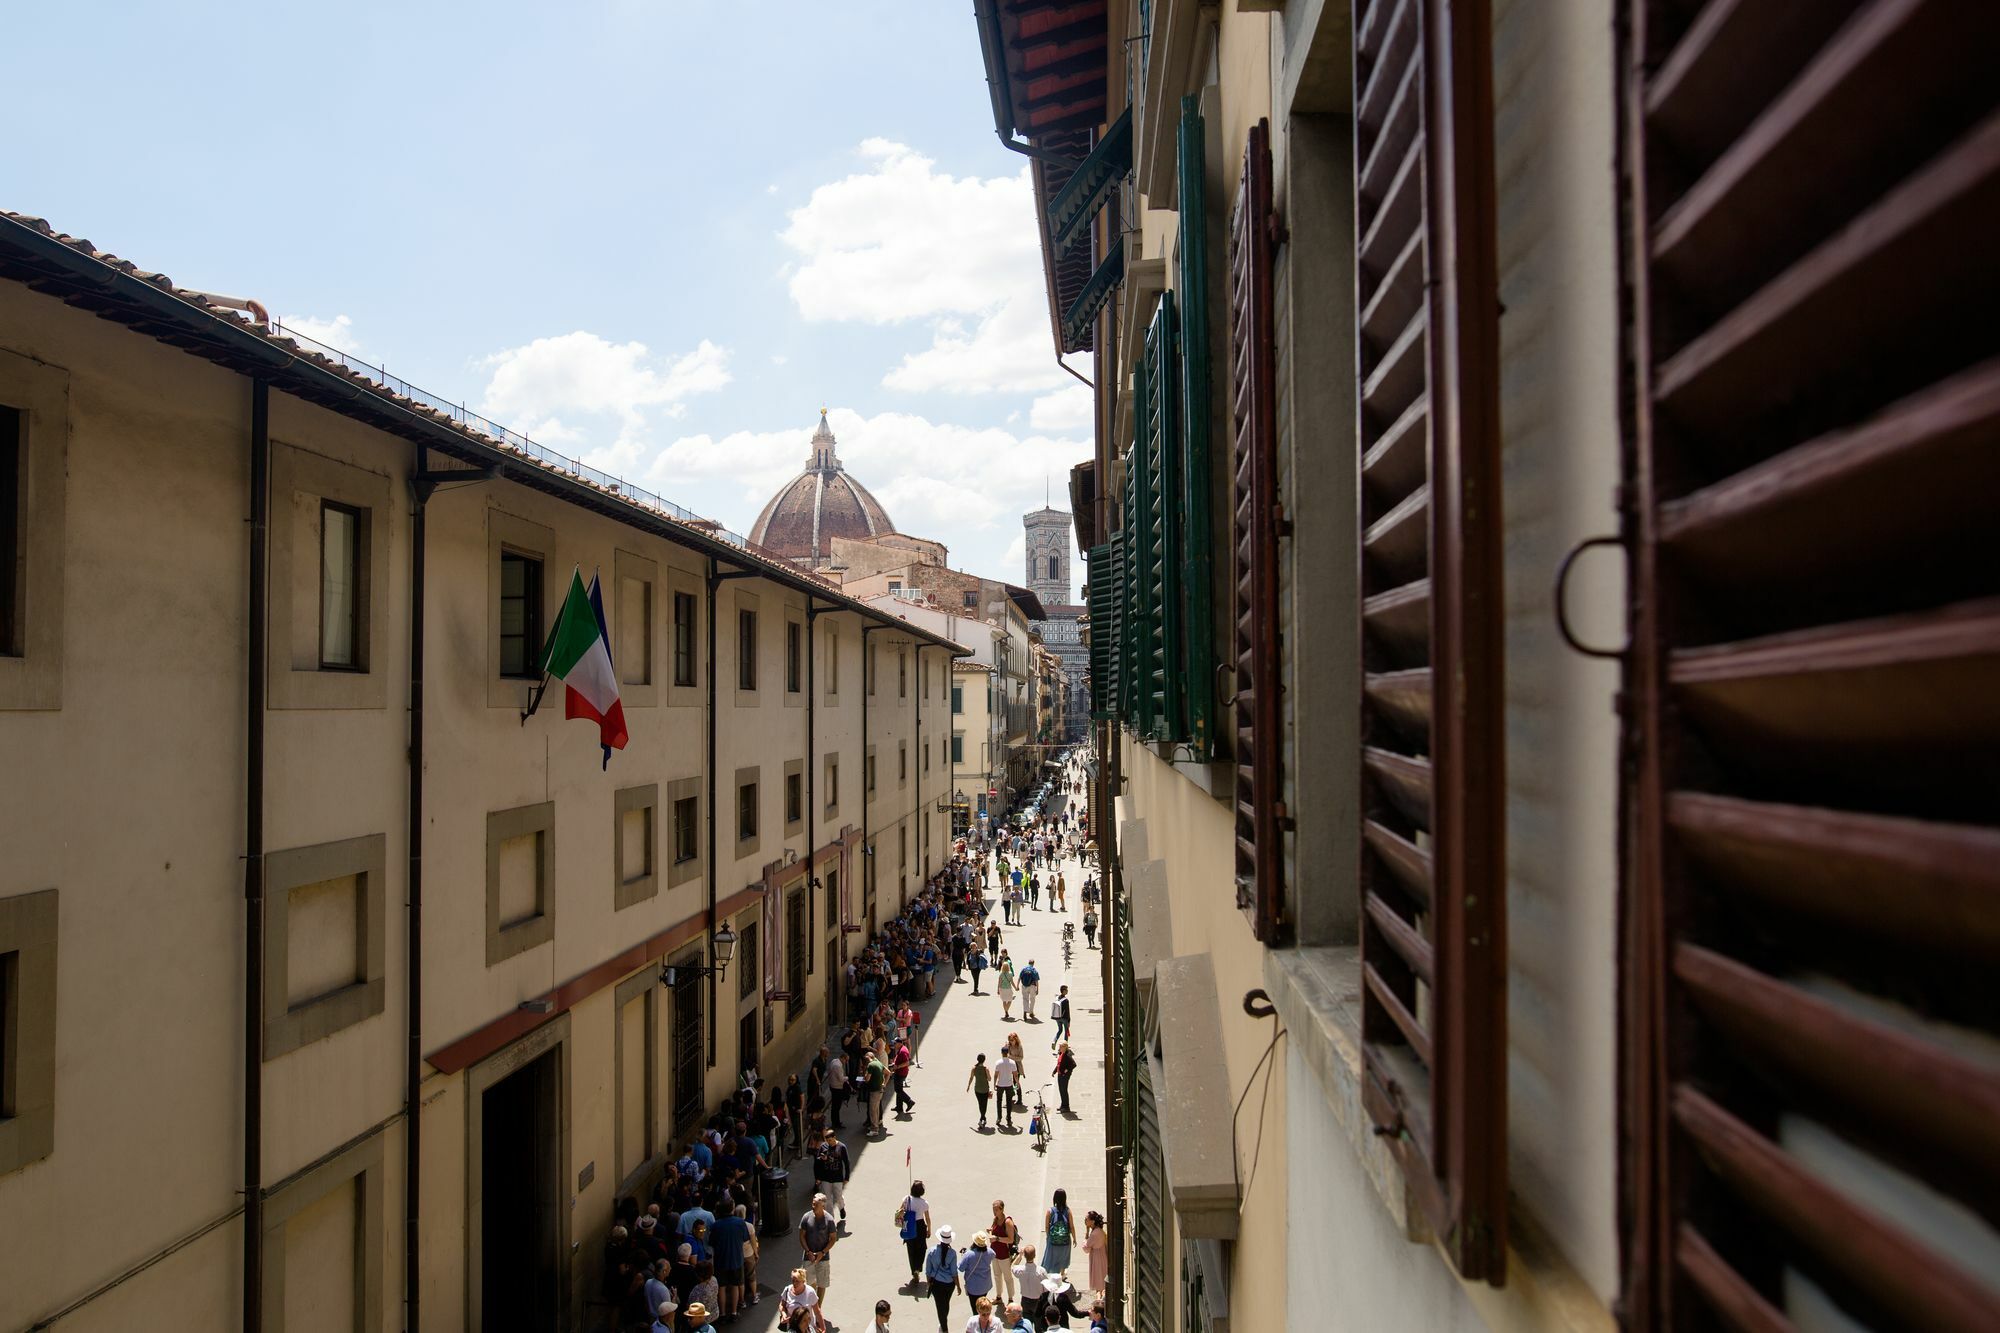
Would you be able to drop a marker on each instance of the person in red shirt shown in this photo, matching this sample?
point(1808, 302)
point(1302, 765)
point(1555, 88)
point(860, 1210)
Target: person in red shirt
point(899, 1074)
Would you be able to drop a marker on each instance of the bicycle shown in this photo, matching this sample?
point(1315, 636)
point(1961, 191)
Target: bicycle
point(1038, 1124)
point(1069, 940)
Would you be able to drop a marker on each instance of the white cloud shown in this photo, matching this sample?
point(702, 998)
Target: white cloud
point(337, 333)
point(1065, 409)
point(582, 375)
point(903, 241)
point(963, 485)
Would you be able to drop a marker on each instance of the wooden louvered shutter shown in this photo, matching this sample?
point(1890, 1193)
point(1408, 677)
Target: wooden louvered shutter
point(1433, 870)
point(1197, 675)
point(1104, 630)
point(1159, 442)
point(1132, 616)
point(1254, 520)
point(1813, 932)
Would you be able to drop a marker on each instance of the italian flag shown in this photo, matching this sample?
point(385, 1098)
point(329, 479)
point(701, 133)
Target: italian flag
point(579, 655)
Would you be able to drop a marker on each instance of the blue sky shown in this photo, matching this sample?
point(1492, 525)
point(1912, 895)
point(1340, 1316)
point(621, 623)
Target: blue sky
point(658, 233)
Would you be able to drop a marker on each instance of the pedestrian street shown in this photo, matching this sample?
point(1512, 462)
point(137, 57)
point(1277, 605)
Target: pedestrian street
point(963, 1169)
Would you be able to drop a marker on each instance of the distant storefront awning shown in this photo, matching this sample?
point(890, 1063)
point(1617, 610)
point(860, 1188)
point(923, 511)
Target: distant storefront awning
point(1084, 193)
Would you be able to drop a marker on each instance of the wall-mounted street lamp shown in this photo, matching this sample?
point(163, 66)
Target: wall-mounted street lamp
point(721, 949)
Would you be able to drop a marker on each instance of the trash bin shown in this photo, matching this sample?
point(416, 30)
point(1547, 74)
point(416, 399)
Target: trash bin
point(775, 1204)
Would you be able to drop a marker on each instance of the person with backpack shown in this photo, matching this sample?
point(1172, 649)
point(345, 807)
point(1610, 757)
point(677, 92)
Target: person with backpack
point(1031, 986)
point(831, 1169)
point(1059, 1231)
point(941, 1272)
point(1090, 927)
point(977, 963)
point(913, 1224)
point(1059, 1011)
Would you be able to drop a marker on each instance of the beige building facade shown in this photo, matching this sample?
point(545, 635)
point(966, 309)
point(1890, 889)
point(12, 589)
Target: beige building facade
point(546, 1071)
point(1487, 803)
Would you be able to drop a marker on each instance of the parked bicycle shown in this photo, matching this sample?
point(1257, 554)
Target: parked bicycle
point(1069, 940)
point(1038, 1124)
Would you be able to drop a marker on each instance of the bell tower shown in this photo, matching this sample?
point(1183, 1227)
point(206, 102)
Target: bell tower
point(1048, 542)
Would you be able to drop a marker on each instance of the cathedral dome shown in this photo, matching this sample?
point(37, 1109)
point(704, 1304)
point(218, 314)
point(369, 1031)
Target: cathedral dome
point(819, 504)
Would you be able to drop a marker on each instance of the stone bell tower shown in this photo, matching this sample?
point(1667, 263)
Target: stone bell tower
point(1048, 556)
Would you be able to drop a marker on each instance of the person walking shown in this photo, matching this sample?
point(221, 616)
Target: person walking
point(876, 1082)
point(913, 1222)
point(975, 1272)
point(1062, 893)
point(992, 939)
point(1004, 1071)
point(1019, 1055)
point(1031, 986)
point(977, 963)
point(941, 1273)
point(880, 1324)
point(818, 1234)
point(831, 1168)
point(1059, 1231)
point(1065, 1066)
point(1035, 892)
point(1033, 1280)
point(1090, 927)
point(1006, 988)
point(980, 1080)
point(1004, 1238)
point(899, 1068)
point(1059, 1011)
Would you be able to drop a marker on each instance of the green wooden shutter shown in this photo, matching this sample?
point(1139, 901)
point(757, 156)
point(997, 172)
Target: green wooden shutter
point(1159, 440)
point(1104, 634)
point(1197, 674)
point(1132, 612)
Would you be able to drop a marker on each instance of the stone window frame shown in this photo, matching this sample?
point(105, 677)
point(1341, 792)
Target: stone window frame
point(832, 640)
point(902, 764)
point(637, 888)
point(690, 695)
point(362, 1164)
point(28, 926)
point(646, 982)
point(506, 531)
point(902, 672)
point(287, 1026)
point(740, 603)
point(795, 768)
point(830, 768)
point(506, 941)
point(33, 679)
point(628, 565)
point(681, 872)
point(795, 698)
point(869, 774)
point(292, 668)
point(552, 1035)
point(748, 777)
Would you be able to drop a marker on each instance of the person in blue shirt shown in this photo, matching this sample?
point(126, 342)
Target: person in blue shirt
point(941, 1273)
point(975, 1270)
point(728, 1240)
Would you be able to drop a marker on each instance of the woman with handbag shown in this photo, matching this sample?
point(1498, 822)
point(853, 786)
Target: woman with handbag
point(913, 1218)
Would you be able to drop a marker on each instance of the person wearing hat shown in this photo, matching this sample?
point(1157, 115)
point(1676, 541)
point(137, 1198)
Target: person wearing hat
point(941, 1272)
point(975, 1268)
point(664, 1321)
point(1059, 1303)
point(697, 1318)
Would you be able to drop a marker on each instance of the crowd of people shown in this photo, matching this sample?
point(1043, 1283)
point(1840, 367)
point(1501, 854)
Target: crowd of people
point(688, 1259)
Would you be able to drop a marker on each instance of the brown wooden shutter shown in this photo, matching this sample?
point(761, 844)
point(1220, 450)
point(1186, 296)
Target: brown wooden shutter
point(1254, 530)
point(1433, 868)
point(1812, 935)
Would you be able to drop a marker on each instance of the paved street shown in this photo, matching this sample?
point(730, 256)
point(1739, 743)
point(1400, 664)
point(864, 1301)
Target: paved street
point(963, 1169)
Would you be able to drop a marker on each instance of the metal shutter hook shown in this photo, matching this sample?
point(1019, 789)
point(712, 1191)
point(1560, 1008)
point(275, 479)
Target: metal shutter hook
point(1562, 601)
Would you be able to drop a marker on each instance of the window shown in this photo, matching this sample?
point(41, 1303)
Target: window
point(1811, 740)
point(794, 650)
point(746, 650)
point(635, 818)
point(520, 614)
point(833, 922)
point(868, 772)
point(747, 959)
point(958, 699)
point(868, 662)
point(972, 601)
point(833, 659)
point(927, 759)
point(957, 747)
point(13, 562)
point(832, 781)
point(635, 1045)
point(683, 638)
point(635, 629)
point(902, 762)
point(895, 587)
point(27, 1028)
point(687, 833)
point(902, 674)
point(520, 880)
point(746, 812)
point(1052, 567)
point(688, 1100)
point(342, 568)
point(797, 951)
point(795, 797)
point(324, 940)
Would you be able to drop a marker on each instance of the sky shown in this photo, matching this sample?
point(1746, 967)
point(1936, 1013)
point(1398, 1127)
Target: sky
point(656, 234)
